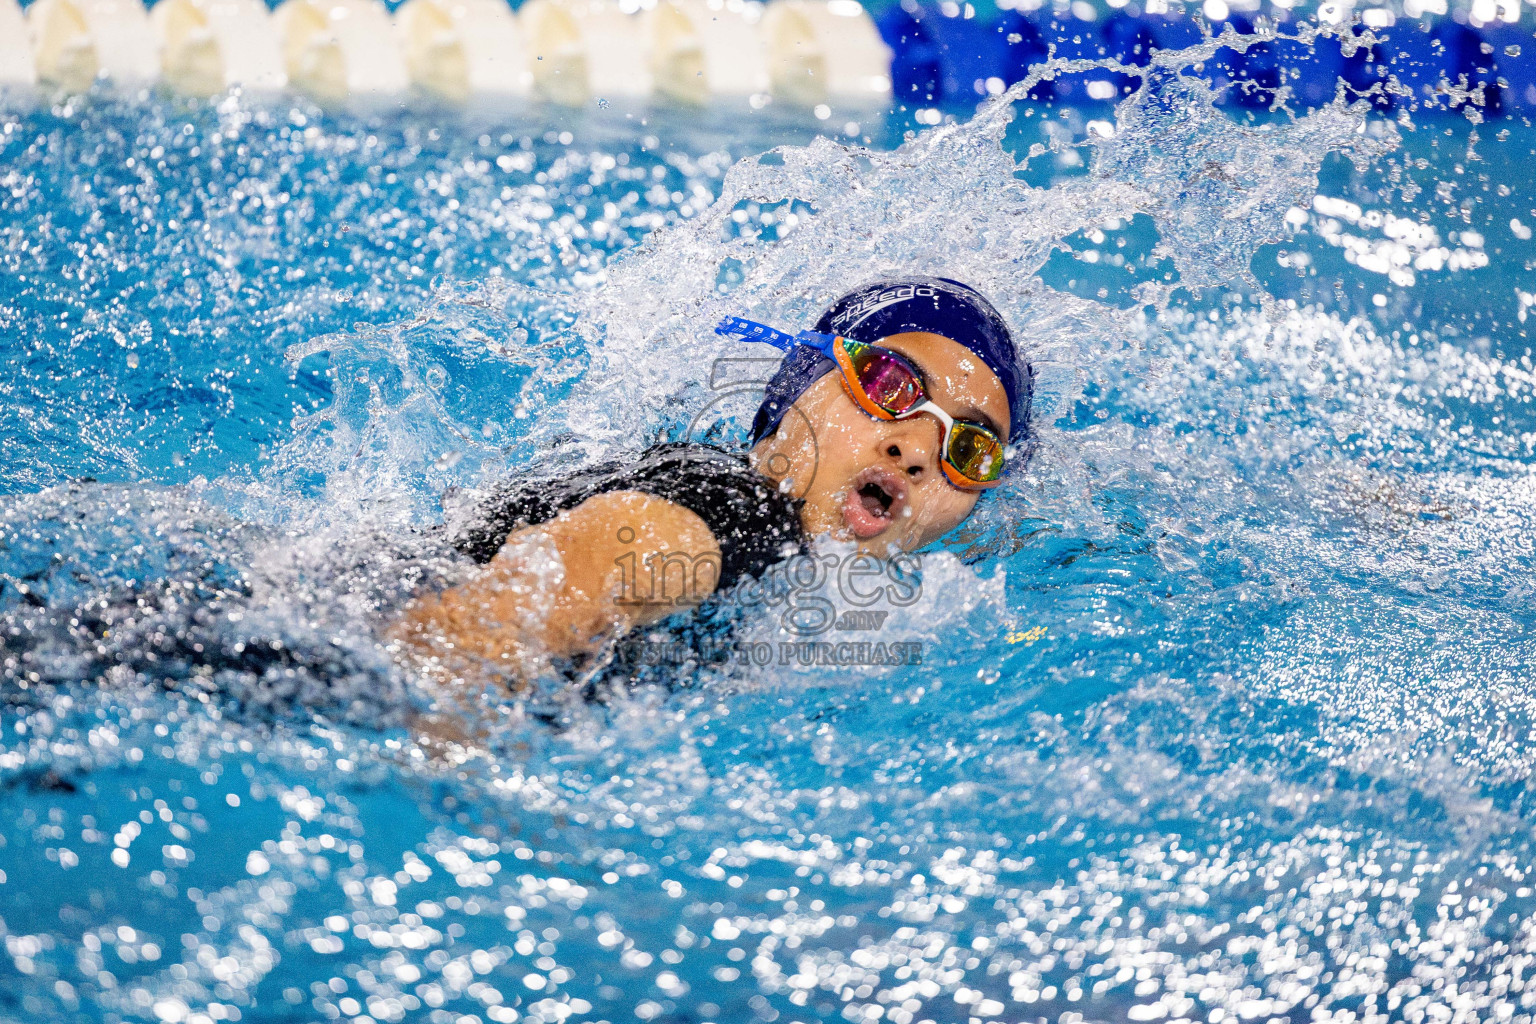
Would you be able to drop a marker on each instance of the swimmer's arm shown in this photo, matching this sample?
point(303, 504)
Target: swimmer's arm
point(607, 547)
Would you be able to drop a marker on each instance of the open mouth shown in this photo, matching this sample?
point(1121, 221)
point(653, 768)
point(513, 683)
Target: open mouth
point(875, 498)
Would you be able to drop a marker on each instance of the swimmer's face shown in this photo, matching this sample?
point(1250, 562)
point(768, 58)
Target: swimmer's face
point(878, 482)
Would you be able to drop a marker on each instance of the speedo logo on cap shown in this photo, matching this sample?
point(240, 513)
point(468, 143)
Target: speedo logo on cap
point(871, 304)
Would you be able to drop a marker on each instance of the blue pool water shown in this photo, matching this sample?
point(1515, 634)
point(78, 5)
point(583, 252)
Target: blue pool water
point(1224, 711)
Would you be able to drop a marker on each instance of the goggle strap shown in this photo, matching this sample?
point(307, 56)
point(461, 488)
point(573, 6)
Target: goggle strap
point(823, 343)
point(751, 330)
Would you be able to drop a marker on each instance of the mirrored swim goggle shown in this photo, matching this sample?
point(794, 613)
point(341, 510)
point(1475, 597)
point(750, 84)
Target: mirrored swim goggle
point(886, 385)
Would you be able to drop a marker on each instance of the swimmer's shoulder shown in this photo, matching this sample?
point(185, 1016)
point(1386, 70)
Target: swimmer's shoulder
point(752, 521)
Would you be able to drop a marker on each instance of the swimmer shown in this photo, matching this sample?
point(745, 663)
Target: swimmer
point(881, 427)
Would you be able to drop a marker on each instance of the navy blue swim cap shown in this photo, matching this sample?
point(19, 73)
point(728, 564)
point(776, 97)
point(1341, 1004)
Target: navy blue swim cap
point(936, 305)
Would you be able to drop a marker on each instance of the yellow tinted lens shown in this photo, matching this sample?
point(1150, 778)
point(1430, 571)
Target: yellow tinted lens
point(975, 452)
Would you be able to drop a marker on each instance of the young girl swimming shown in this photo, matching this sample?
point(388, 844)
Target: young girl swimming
point(882, 426)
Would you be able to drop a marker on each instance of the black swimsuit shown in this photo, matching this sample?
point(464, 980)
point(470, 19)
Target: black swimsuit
point(754, 524)
point(191, 626)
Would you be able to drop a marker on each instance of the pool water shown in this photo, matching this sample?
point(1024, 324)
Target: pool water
point(1223, 712)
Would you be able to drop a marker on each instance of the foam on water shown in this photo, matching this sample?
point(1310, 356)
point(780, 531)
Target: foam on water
point(1233, 722)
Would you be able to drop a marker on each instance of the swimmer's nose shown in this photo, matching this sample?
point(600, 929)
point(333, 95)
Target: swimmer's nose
point(910, 454)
